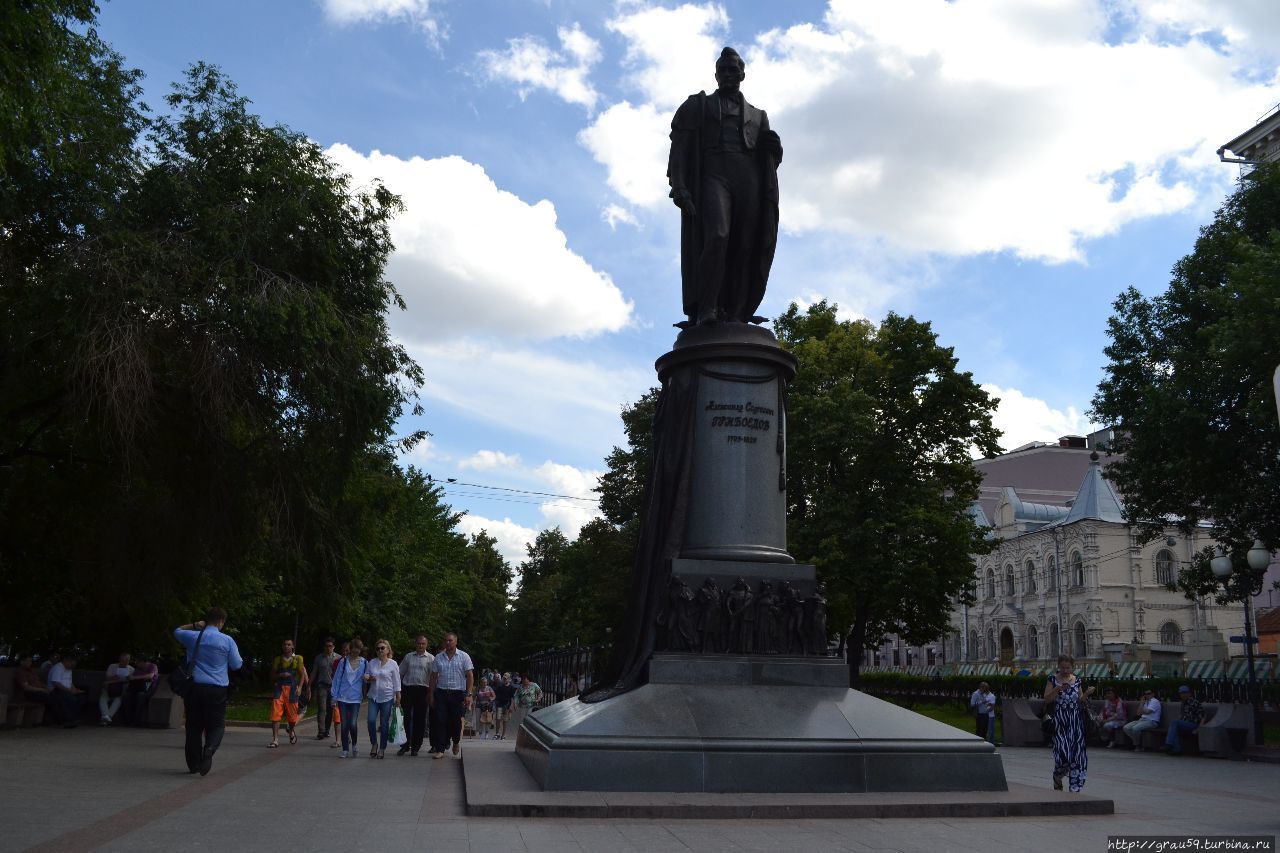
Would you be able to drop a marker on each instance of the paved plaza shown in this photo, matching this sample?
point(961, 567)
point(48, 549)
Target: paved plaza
point(127, 789)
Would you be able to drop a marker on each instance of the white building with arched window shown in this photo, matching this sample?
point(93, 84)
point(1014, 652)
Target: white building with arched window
point(1111, 599)
point(1069, 574)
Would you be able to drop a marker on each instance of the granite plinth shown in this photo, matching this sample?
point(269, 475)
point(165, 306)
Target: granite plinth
point(497, 786)
point(688, 734)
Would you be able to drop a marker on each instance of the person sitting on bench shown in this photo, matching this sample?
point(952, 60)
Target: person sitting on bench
point(1192, 715)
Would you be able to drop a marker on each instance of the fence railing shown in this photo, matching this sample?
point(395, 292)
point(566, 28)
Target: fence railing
point(566, 671)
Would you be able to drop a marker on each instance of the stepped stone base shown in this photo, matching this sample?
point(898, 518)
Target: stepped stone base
point(750, 724)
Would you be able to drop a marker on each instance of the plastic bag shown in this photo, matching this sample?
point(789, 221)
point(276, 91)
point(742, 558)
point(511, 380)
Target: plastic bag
point(398, 735)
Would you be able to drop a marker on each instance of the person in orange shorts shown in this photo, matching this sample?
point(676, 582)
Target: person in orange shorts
point(289, 674)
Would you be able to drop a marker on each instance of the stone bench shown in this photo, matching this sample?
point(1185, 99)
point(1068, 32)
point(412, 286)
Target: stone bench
point(1220, 734)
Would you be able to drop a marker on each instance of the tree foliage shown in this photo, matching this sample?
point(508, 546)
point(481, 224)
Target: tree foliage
point(882, 428)
point(198, 385)
point(1189, 384)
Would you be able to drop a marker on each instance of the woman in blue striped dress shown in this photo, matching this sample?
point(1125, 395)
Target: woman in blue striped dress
point(1070, 701)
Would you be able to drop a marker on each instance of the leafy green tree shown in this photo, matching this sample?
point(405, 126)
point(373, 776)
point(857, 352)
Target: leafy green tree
point(540, 596)
point(621, 486)
point(483, 623)
point(881, 432)
point(210, 370)
point(1189, 385)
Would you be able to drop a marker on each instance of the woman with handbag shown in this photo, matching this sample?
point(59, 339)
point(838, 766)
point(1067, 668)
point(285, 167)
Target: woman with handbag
point(1070, 700)
point(383, 678)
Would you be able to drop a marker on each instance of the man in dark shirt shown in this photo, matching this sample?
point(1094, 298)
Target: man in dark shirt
point(1192, 715)
point(503, 694)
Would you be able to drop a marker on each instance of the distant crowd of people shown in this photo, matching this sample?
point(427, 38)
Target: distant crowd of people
point(124, 697)
point(434, 691)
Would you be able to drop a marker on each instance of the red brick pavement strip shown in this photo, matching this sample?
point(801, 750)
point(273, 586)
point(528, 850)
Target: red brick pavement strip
point(135, 817)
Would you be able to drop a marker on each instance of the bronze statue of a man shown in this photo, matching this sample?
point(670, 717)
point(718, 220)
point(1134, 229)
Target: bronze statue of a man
point(723, 172)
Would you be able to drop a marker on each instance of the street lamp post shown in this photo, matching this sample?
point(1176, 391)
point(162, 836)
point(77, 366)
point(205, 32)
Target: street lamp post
point(1221, 565)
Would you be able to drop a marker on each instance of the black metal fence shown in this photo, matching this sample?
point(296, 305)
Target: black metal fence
point(566, 671)
point(956, 688)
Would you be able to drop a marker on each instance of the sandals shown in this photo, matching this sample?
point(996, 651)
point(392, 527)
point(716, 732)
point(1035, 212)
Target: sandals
point(275, 744)
point(373, 753)
point(293, 738)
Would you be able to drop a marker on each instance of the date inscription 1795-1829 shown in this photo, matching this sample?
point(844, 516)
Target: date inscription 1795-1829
point(770, 620)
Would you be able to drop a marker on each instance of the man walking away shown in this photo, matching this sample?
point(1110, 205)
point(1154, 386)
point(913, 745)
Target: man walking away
point(415, 679)
point(206, 699)
point(453, 683)
point(321, 687)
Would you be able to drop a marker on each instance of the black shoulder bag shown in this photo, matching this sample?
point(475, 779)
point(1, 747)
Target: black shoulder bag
point(181, 676)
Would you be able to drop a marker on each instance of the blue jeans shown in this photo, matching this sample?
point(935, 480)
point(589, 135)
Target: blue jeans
point(1176, 728)
point(1134, 731)
point(347, 713)
point(379, 712)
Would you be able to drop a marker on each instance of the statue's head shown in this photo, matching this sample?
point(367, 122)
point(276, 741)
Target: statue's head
point(730, 70)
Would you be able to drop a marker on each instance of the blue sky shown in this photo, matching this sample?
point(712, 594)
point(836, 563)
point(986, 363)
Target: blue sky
point(1002, 169)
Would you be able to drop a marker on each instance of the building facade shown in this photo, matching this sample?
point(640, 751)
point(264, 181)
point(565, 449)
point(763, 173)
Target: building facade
point(1069, 574)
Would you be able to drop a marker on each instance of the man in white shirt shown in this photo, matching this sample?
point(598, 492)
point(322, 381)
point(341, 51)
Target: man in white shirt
point(453, 684)
point(118, 675)
point(415, 679)
point(982, 703)
point(65, 699)
point(1149, 709)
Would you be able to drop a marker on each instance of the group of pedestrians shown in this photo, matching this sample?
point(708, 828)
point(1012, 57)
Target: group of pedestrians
point(432, 692)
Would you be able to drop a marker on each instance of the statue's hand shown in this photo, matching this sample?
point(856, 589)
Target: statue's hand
point(772, 145)
point(684, 201)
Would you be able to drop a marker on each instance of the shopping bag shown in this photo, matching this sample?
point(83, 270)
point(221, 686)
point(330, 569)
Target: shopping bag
point(398, 736)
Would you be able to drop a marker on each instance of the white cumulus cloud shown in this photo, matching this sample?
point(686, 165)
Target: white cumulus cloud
point(415, 12)
point(512, 538)
point(473, 258)
point(1024, 419)
point(530, 64)
point(488, 460)
point(965, 127)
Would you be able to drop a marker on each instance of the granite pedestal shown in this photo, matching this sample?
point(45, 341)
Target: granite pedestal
point(739, 724)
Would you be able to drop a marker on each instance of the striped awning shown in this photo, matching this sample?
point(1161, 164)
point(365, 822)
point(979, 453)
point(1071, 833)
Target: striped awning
point(964, 669)
point(987, 669)
point(1239, 670)
point(1205, 669)
point(1096, 670)
point(1131, 669)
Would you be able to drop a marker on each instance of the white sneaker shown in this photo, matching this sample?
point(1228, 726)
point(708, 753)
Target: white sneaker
point(344, 754)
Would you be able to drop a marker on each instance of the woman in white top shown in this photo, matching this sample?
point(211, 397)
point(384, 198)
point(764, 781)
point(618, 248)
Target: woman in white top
point(383, 678)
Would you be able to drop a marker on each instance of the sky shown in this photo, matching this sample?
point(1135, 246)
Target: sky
point(1000, 168)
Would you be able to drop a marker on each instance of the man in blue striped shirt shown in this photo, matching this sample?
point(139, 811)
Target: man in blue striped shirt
point(449, 695)
point(206, 700)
